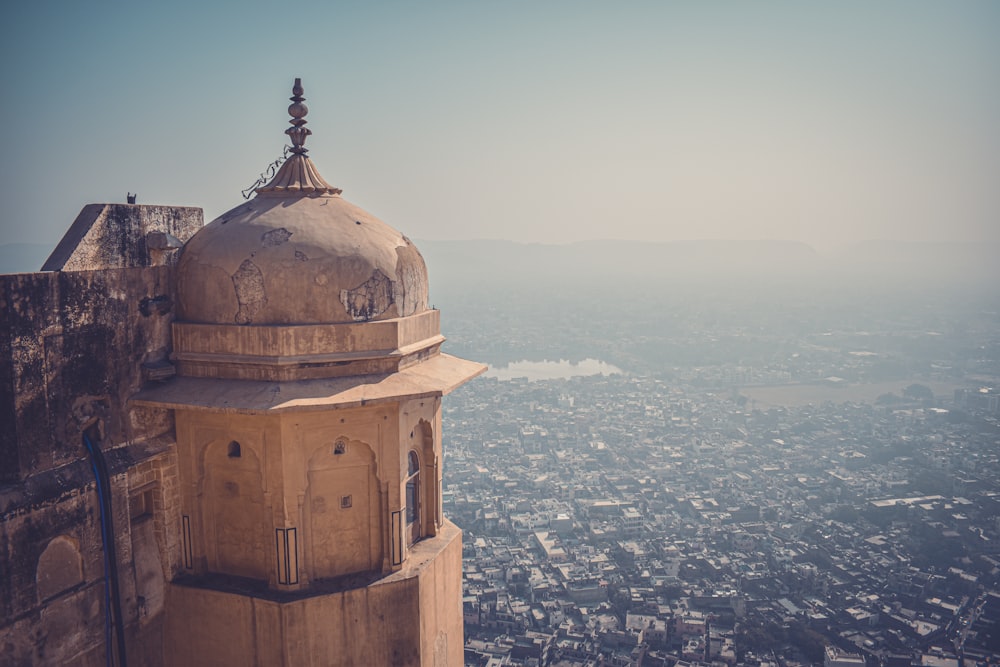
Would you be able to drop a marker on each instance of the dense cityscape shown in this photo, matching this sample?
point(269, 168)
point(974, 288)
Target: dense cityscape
point(832, 500)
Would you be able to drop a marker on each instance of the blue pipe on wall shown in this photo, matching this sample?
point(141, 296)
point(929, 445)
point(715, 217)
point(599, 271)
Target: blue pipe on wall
point(112, 593)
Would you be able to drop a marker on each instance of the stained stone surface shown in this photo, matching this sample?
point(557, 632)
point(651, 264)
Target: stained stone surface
point(121, 236)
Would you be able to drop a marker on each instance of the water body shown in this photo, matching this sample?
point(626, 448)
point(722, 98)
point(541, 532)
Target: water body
point(551, 370)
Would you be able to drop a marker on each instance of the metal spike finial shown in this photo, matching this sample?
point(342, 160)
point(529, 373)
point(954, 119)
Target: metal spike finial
point(298, 110)
point(295, 175)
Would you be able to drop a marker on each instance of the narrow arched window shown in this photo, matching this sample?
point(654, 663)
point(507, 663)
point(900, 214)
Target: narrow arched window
point(235, 451)
point(413, 498)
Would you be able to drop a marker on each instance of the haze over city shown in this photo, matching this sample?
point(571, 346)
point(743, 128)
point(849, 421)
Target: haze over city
point(533, 122)
point(671, 339)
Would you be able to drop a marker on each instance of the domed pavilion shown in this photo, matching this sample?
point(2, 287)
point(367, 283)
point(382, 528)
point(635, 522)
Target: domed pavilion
point(307, 406)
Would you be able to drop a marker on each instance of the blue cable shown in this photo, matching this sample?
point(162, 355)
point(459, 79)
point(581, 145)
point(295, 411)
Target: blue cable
point(107, 578)
point(100, 473)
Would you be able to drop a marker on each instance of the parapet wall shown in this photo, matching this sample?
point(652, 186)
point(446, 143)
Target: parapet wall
point(121, 236)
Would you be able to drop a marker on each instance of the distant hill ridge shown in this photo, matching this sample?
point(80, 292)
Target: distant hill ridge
point(899, 261)
point(490, 260)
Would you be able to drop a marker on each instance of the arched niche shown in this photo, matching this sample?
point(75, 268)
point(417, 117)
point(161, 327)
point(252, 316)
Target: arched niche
point(342, 512)
point(431, 478)
point(236, 520)
point(60, 567)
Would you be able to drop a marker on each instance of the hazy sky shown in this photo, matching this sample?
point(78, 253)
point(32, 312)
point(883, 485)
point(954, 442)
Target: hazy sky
point(533, 121)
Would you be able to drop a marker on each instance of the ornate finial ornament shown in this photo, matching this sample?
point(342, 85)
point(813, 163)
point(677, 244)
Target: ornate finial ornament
point(297, 175)
point(297, 110)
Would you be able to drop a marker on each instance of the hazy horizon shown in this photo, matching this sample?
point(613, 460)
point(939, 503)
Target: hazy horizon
point(827, 125)
point(461, 263)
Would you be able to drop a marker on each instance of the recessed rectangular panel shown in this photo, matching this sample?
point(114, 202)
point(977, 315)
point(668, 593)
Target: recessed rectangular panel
point(286, 545)
point(397, 537)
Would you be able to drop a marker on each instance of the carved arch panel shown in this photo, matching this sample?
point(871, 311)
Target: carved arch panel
point(236, 518)
point(431, 492)
point(342, 510)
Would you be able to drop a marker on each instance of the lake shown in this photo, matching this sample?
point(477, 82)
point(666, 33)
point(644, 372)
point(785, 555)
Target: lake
point(551, 370)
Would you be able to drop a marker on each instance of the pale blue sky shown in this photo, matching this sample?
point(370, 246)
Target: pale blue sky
point(533, 121)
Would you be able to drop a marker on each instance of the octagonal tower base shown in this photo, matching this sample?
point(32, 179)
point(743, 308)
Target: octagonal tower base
point(409, 617)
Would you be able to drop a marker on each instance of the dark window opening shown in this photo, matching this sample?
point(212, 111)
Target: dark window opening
point(235, 451)
point(340, 447)
point(413, 498)
point(346, 502)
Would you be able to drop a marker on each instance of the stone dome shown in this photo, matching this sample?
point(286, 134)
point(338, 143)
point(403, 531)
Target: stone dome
point(298, 253)
point(299, 260)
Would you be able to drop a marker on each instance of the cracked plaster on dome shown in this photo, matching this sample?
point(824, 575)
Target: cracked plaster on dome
point(369, 299)
point(249, 285)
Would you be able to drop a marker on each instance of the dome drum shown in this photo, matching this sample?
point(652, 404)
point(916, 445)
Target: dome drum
point(305, 352)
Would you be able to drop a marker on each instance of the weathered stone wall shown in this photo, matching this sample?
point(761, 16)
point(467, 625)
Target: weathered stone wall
point(51, 609)
point(72, 350)
point(52, 595)
point(74, 345)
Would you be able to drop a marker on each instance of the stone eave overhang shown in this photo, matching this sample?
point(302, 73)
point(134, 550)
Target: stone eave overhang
point(437, 376)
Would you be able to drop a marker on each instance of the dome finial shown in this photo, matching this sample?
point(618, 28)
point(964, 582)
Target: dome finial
point(297, 110)
point(297, 175)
